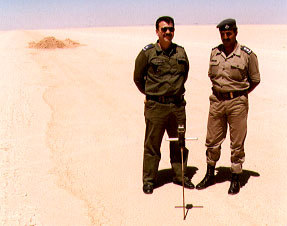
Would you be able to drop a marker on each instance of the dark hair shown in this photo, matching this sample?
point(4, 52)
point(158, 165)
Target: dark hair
point(166, 19)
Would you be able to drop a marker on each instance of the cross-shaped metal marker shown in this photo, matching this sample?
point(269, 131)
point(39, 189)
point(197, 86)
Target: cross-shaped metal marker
point(181, 142)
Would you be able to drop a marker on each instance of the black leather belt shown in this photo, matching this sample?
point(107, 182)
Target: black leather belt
point(166, 99)
point(228, 95)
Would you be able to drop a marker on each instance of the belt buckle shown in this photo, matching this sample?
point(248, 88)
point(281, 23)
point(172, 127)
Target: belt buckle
point(161, 99)
point(231, 95)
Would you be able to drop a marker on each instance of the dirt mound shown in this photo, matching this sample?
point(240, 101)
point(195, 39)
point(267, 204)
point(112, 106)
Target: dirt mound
point(53, 43)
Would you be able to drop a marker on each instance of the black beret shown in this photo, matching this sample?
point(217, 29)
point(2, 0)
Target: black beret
point(227, 24)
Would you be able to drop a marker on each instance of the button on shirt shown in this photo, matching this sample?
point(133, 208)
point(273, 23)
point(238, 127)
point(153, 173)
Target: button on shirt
point(234, 72)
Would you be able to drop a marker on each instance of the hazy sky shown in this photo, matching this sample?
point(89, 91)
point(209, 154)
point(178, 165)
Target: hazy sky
point(37, 14)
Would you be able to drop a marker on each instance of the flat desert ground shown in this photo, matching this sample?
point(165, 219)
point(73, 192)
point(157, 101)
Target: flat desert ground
point(72, 130)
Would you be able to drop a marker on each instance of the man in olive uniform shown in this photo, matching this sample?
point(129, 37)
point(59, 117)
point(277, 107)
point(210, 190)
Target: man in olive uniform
point(234, 73)
point(161, 70)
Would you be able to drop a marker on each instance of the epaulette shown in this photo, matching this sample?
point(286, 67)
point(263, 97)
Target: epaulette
point(219, 47)
point(246, 50)
point(149, 46)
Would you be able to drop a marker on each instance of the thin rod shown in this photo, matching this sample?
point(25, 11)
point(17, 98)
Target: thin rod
point(182, 178)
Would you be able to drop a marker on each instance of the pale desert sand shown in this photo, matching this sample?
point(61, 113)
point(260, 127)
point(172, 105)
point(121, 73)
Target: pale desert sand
point(72, 130)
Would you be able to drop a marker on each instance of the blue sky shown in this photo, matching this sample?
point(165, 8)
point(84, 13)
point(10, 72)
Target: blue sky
point(40, 14)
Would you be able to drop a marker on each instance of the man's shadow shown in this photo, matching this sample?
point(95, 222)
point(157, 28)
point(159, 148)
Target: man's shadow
point(165, 176)
point(223, 174)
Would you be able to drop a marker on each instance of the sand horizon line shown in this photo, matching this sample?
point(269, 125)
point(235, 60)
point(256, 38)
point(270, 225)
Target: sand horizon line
point(131, 26)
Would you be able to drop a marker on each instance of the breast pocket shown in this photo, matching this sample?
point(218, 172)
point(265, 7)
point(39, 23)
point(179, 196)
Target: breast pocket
point(158, 66)
point(238, 71)
point(213, 67)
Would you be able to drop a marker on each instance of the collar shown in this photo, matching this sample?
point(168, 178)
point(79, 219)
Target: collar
point(159, 49)
point(236, 50)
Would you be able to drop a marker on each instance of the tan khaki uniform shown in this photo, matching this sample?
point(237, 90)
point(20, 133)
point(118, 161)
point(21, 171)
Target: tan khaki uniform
point(231, 77)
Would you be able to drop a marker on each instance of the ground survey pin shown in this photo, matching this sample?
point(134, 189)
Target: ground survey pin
point(181, 142)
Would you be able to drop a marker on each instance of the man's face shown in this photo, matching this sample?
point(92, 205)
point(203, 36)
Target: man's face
point(165, 33)
point(228, 38)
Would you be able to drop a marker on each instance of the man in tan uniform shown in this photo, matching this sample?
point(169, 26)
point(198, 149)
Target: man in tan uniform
point(234, 73)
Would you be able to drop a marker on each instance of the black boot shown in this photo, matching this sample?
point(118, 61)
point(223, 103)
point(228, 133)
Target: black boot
point(234, 185)
point(208, 180)
point(148, 188)
point(187, 183)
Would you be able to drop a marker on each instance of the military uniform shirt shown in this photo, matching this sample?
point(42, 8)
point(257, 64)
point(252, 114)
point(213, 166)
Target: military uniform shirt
point(160, 73)
point(234, 72)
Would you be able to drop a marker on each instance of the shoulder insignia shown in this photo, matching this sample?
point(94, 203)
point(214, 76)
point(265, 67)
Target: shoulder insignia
point(219, 47)
point(216, 50)
point(246, 50)
point(149, 46)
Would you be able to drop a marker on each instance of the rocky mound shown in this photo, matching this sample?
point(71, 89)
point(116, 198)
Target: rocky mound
point(53, 43)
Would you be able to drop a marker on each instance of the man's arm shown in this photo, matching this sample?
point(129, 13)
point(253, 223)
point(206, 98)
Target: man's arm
point(187, 67)
point(254, 75)
point(140, 71)
point(252, 86)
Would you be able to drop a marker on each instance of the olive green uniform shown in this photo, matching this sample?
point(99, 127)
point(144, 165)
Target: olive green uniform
point(161, 75)
point(232, 77)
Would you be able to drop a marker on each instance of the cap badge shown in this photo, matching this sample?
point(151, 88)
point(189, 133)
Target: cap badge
point(226, 26)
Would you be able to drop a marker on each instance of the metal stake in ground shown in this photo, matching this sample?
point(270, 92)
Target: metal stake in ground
point(181, 142)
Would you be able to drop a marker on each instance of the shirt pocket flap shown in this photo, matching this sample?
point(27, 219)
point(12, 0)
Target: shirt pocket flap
point(237, 65)
point(156, 61)
point(214, 63)
point(181, 59)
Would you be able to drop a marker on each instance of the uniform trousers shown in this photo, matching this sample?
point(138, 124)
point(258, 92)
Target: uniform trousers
point(160, 118)
point(222, 113)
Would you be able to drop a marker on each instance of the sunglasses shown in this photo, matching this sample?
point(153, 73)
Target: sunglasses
point(164, 29)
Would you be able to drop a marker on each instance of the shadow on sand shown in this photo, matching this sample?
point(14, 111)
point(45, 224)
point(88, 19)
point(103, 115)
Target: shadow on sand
point(165, 176)
point(223, 174)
